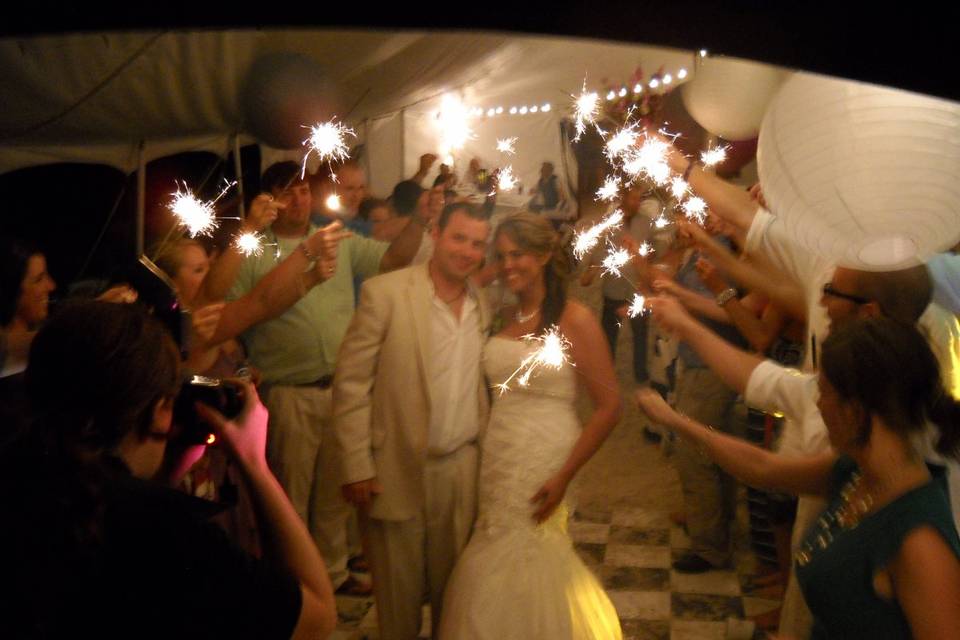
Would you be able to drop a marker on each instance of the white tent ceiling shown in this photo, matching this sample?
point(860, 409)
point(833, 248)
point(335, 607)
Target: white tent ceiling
point(94, 97)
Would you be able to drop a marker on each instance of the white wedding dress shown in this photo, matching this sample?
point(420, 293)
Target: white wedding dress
point(515, 579)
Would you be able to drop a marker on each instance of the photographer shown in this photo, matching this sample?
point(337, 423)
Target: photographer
point(97, 548)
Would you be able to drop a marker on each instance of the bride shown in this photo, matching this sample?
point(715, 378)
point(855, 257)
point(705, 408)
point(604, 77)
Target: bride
point(519, 576)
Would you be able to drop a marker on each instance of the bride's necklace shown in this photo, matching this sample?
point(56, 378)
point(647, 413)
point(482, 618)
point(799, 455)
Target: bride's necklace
point(521, 317)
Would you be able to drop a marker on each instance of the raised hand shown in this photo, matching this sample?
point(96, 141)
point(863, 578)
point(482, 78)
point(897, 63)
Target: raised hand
point(710, 276)
point(653, 405)
point(669, 313)
point(205, 320)
point(262, 213)
point(324, 244)
point(246, 435)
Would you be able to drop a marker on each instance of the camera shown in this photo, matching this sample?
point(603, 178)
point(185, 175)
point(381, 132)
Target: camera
point(222, 395)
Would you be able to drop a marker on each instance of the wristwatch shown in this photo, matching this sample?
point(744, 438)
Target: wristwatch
point(725, 296)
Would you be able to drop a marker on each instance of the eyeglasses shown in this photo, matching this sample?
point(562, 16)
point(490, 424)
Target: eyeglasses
point(828, 290)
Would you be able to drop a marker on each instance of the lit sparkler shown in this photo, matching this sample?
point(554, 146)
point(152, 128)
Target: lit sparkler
point(333, 202)
point(585, 111)
point(615, 261)
point(609, 190)
point(695, 209)
point(505, 179)
point(249, 243)
point(644, 250)
point(637, 307)
point(328, 141)
point(198, 216)
point(551, 353)
point(507, 145)
point(714, 156)
point(453, 120)
point(588, 238)
point(679, 187)
point(622, 142)
point(650, 160)
point(662, 222)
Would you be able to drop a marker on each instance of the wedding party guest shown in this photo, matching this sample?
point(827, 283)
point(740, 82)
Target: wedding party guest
point(883, 558)
point(103, 549)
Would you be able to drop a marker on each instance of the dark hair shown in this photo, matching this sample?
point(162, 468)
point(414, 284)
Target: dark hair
point(887, 367)
point(442, 179)
point(95, 373)
point(902, 295)
point(465, 208)
point(368, 205)
point(534, 233)
point(281, 175)
point(405, 196)
point(15, 256)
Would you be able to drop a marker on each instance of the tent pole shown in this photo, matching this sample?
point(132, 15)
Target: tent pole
point(238, 174)
point(141, 194)
point(366, 144)
point(403, 143)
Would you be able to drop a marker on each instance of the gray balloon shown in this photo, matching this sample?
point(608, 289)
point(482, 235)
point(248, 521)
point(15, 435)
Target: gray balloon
point(282, 94)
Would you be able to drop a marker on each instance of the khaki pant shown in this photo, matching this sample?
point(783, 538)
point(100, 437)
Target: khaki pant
point(709, 494)
point(301, 451)
point(413, 558)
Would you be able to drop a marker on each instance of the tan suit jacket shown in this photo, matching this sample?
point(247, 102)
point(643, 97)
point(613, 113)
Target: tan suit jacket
point(381, 394)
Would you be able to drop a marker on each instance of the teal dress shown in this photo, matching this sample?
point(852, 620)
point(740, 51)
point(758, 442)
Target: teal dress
point(836, 573)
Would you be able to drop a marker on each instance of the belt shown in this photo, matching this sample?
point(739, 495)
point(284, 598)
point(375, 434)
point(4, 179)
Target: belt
point(323, 382)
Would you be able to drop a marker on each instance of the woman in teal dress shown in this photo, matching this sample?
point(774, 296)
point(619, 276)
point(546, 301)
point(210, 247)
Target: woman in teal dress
point(883, 559)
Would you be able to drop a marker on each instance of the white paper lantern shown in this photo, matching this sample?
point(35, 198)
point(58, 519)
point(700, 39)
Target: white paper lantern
point(728, 96)
point(864, 175)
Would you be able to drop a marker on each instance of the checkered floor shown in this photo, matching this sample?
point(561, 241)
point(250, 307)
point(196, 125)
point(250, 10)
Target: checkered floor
point(630, 550)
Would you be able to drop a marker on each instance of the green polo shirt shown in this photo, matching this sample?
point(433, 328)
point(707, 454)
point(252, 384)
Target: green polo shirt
point(301, 345)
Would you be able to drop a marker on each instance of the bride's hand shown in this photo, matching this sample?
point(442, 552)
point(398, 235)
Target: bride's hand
point(549, 496)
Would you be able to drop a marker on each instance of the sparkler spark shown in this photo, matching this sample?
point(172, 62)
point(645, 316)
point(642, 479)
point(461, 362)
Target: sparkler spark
point(507, 145)
point(505, 179)
point(661, 222)
point(198, 216)
point(679, 187)
point(650, 160)
point(644, 250)
point(714, 156)
point(327, 140)
point(637, 307)
point(622, 141)
point(695, 209)
point(453, 120)
point(586, 108)
point(609, 190)
point(615, 261)
point(588, 238)
point(249, 243)
point(551, 353)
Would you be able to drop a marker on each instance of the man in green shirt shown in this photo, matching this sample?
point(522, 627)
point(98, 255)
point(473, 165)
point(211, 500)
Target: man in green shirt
point(297, 352)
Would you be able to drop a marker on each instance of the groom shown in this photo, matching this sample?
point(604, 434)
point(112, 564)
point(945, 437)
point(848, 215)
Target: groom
point(409, 404)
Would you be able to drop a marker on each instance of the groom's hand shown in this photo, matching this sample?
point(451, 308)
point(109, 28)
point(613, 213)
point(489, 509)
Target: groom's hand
point(361, 494)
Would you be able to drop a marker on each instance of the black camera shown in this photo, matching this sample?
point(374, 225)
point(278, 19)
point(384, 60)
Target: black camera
point(222, 395)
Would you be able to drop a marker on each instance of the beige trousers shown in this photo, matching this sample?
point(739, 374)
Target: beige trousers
point(709, 493)
point(301, 451)
point(413, 558)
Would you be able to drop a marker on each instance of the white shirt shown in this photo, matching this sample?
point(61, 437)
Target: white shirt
point(454, 376)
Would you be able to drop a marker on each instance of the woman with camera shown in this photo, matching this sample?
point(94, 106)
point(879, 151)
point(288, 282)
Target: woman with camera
point(96, 547)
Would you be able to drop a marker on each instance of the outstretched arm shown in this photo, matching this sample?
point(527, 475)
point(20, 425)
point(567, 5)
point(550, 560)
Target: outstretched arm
point(727, 200)
point(749, 463)
point(223, 271)
point(733, 365)
point(591, 356)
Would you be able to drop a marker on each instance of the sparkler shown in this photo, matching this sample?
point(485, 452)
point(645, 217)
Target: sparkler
point(249, 243)
point(637, 307)
point(453, 120)
point(588, 238)
point(609, 190)
point(714, 156)
point(586, 108)
point(507, 145)
point(328, 141)
point(622, 142)
point(695, 209)
point(644, 250)
point(662, 222)
point(679, 187)
point(551, 353)
point(505, 179)
point(615, 260)
point(198, 216)
point(650, 160)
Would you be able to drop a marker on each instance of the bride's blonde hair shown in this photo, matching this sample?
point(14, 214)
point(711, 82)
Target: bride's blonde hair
point(534, 234)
